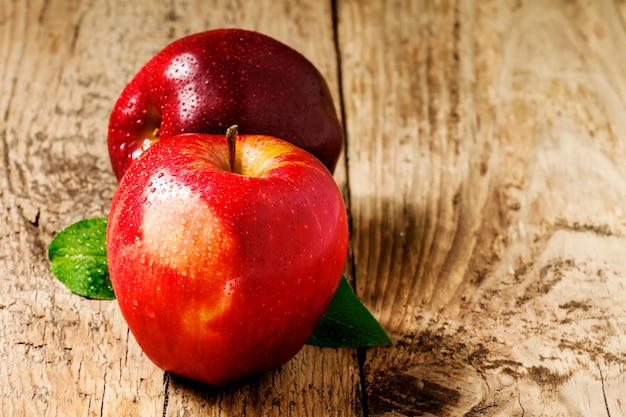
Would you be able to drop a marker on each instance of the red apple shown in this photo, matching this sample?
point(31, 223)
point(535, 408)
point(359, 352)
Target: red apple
point(223, 275)
point(205, 82)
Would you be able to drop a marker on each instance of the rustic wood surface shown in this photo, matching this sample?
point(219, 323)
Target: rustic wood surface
point(485, 173)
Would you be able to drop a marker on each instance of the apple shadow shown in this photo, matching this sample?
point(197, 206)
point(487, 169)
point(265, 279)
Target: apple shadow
point(398, 252)
point(422, 241)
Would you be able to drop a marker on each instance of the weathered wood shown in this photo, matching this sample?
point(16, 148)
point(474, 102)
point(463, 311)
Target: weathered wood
point(487, 174)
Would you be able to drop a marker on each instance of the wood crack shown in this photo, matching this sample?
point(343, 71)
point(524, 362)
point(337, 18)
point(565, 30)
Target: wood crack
point(361, 352)
point(519, 401)
point(606, 403)
point(166, 386)
point(104, 390)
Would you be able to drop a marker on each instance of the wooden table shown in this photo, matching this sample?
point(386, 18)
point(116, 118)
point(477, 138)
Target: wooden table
point(485, 173)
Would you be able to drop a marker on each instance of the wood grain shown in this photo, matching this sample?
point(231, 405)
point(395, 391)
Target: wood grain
point(488, 187)
point(485, 174)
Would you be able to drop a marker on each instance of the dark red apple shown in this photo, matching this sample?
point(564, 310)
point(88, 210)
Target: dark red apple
point(224, 275)
point(205, 82)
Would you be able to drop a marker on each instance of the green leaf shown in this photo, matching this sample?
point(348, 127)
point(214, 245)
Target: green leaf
point(348, 323)
point(78, 259)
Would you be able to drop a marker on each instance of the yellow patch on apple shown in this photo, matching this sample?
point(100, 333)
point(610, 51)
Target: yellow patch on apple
point(181, 232)
point(254, 157)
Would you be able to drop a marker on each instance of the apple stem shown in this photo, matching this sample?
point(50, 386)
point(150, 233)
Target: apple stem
point(231, 139)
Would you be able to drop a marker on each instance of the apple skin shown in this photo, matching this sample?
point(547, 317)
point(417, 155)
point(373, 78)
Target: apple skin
point(221, 276)
point(205, 82)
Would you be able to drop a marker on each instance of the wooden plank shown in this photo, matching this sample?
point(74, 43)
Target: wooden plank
point(487, 173)
point(64, 63)
point(487, 189)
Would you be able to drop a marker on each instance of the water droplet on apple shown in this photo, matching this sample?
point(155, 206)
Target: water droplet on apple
point(230, 286)
point(150, 311)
